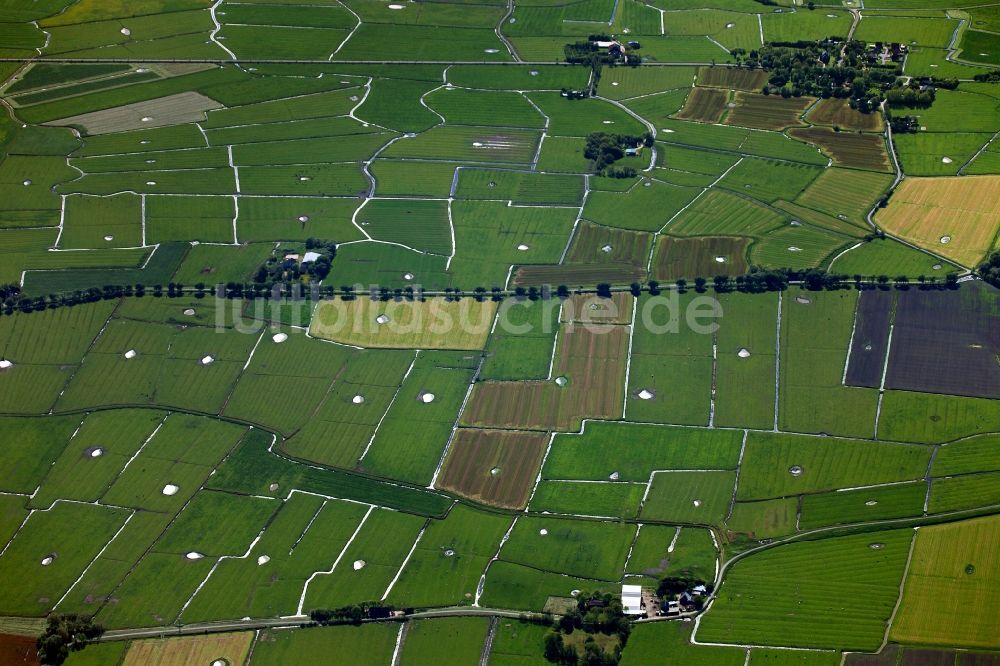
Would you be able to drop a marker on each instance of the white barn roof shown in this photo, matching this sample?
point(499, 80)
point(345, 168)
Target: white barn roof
point(632, 600)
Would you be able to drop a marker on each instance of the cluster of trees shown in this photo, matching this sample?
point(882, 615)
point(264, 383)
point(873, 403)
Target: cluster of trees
point(826, 68)
point(603, 149)
point(278, 269)
point(352, 614)
point(595, 613)
point(903, 124)
point(64, 634)
point(989, 270)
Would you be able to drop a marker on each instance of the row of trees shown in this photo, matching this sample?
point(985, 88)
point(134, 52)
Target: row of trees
point(757, 281)
point(989, 270)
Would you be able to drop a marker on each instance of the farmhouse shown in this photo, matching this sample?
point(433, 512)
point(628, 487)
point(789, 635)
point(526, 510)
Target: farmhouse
point(632, 600)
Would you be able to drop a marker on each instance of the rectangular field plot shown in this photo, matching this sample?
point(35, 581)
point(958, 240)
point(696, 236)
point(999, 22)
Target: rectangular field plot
point(651, 551)
point(582, 391)
point(769, 180)
point(780, 465)
point(633, 452)
point(520, 187)
point(492, 466)
point(655, 638)
point(955, 565)
point(798, 612)
point(484, 108)
point(186, 107)
point(253, 469)
point(745, 361)
point(339, 430)
point(305, 536)
point(304, 107)
point(461, 638)
point(412, 178)
point(605, 499)
point(764, 519)
point(506, 77)
point(892, 258)
point(51, 550)
point(491, 236)
point(181, 455)
point(631, 210)
point(701, 497)
point(191, 367)
point(216, 524)
point(96, 455)
point(626, 82)
point(525, 587)
point(815, 332)
point(323, 150)
point(584, 548)
point(410, 442)
point(870, 339)
point(964, 492)
point(857, 506)
point(369, 563)
point(418, 224)
point(847, 149)
point(521, 344)
point(406, 324)
point(838, 112)
point(99, 222)
point(706, 257)
point(368, 645)
point(976, 454)
point(469, 144)
point(947, 342)
point(233, 647)
point(288, 130)
point(671, 368)
point(368, 263)
point(449, 559)
point(935, 418)
point(845, 194)
point(180, 218)
point(287, 378)
point(767, 111)
point(281, 218)
point(704, 105)
point(596, 253)
point(217, 264)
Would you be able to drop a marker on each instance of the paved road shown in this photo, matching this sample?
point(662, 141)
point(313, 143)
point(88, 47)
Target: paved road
point(258, 61)
point(249, 625)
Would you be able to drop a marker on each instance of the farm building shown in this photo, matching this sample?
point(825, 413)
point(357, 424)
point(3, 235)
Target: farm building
point(632, 600)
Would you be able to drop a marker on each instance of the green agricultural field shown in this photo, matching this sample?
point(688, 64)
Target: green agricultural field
point(811, 573)
point(527, 368)
point(779, 465)
point(369, 644)
point(951, 561)
point(461, 638)
point(701, 497)
point(587, 549)
point(449, 559)
point(815, 331)
point(610, 500)
point(633, 452)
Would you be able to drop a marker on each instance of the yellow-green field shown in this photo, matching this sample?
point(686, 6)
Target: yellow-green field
point(431, 324)
point(182, 650)
point(954, 217)
point(952, 591)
